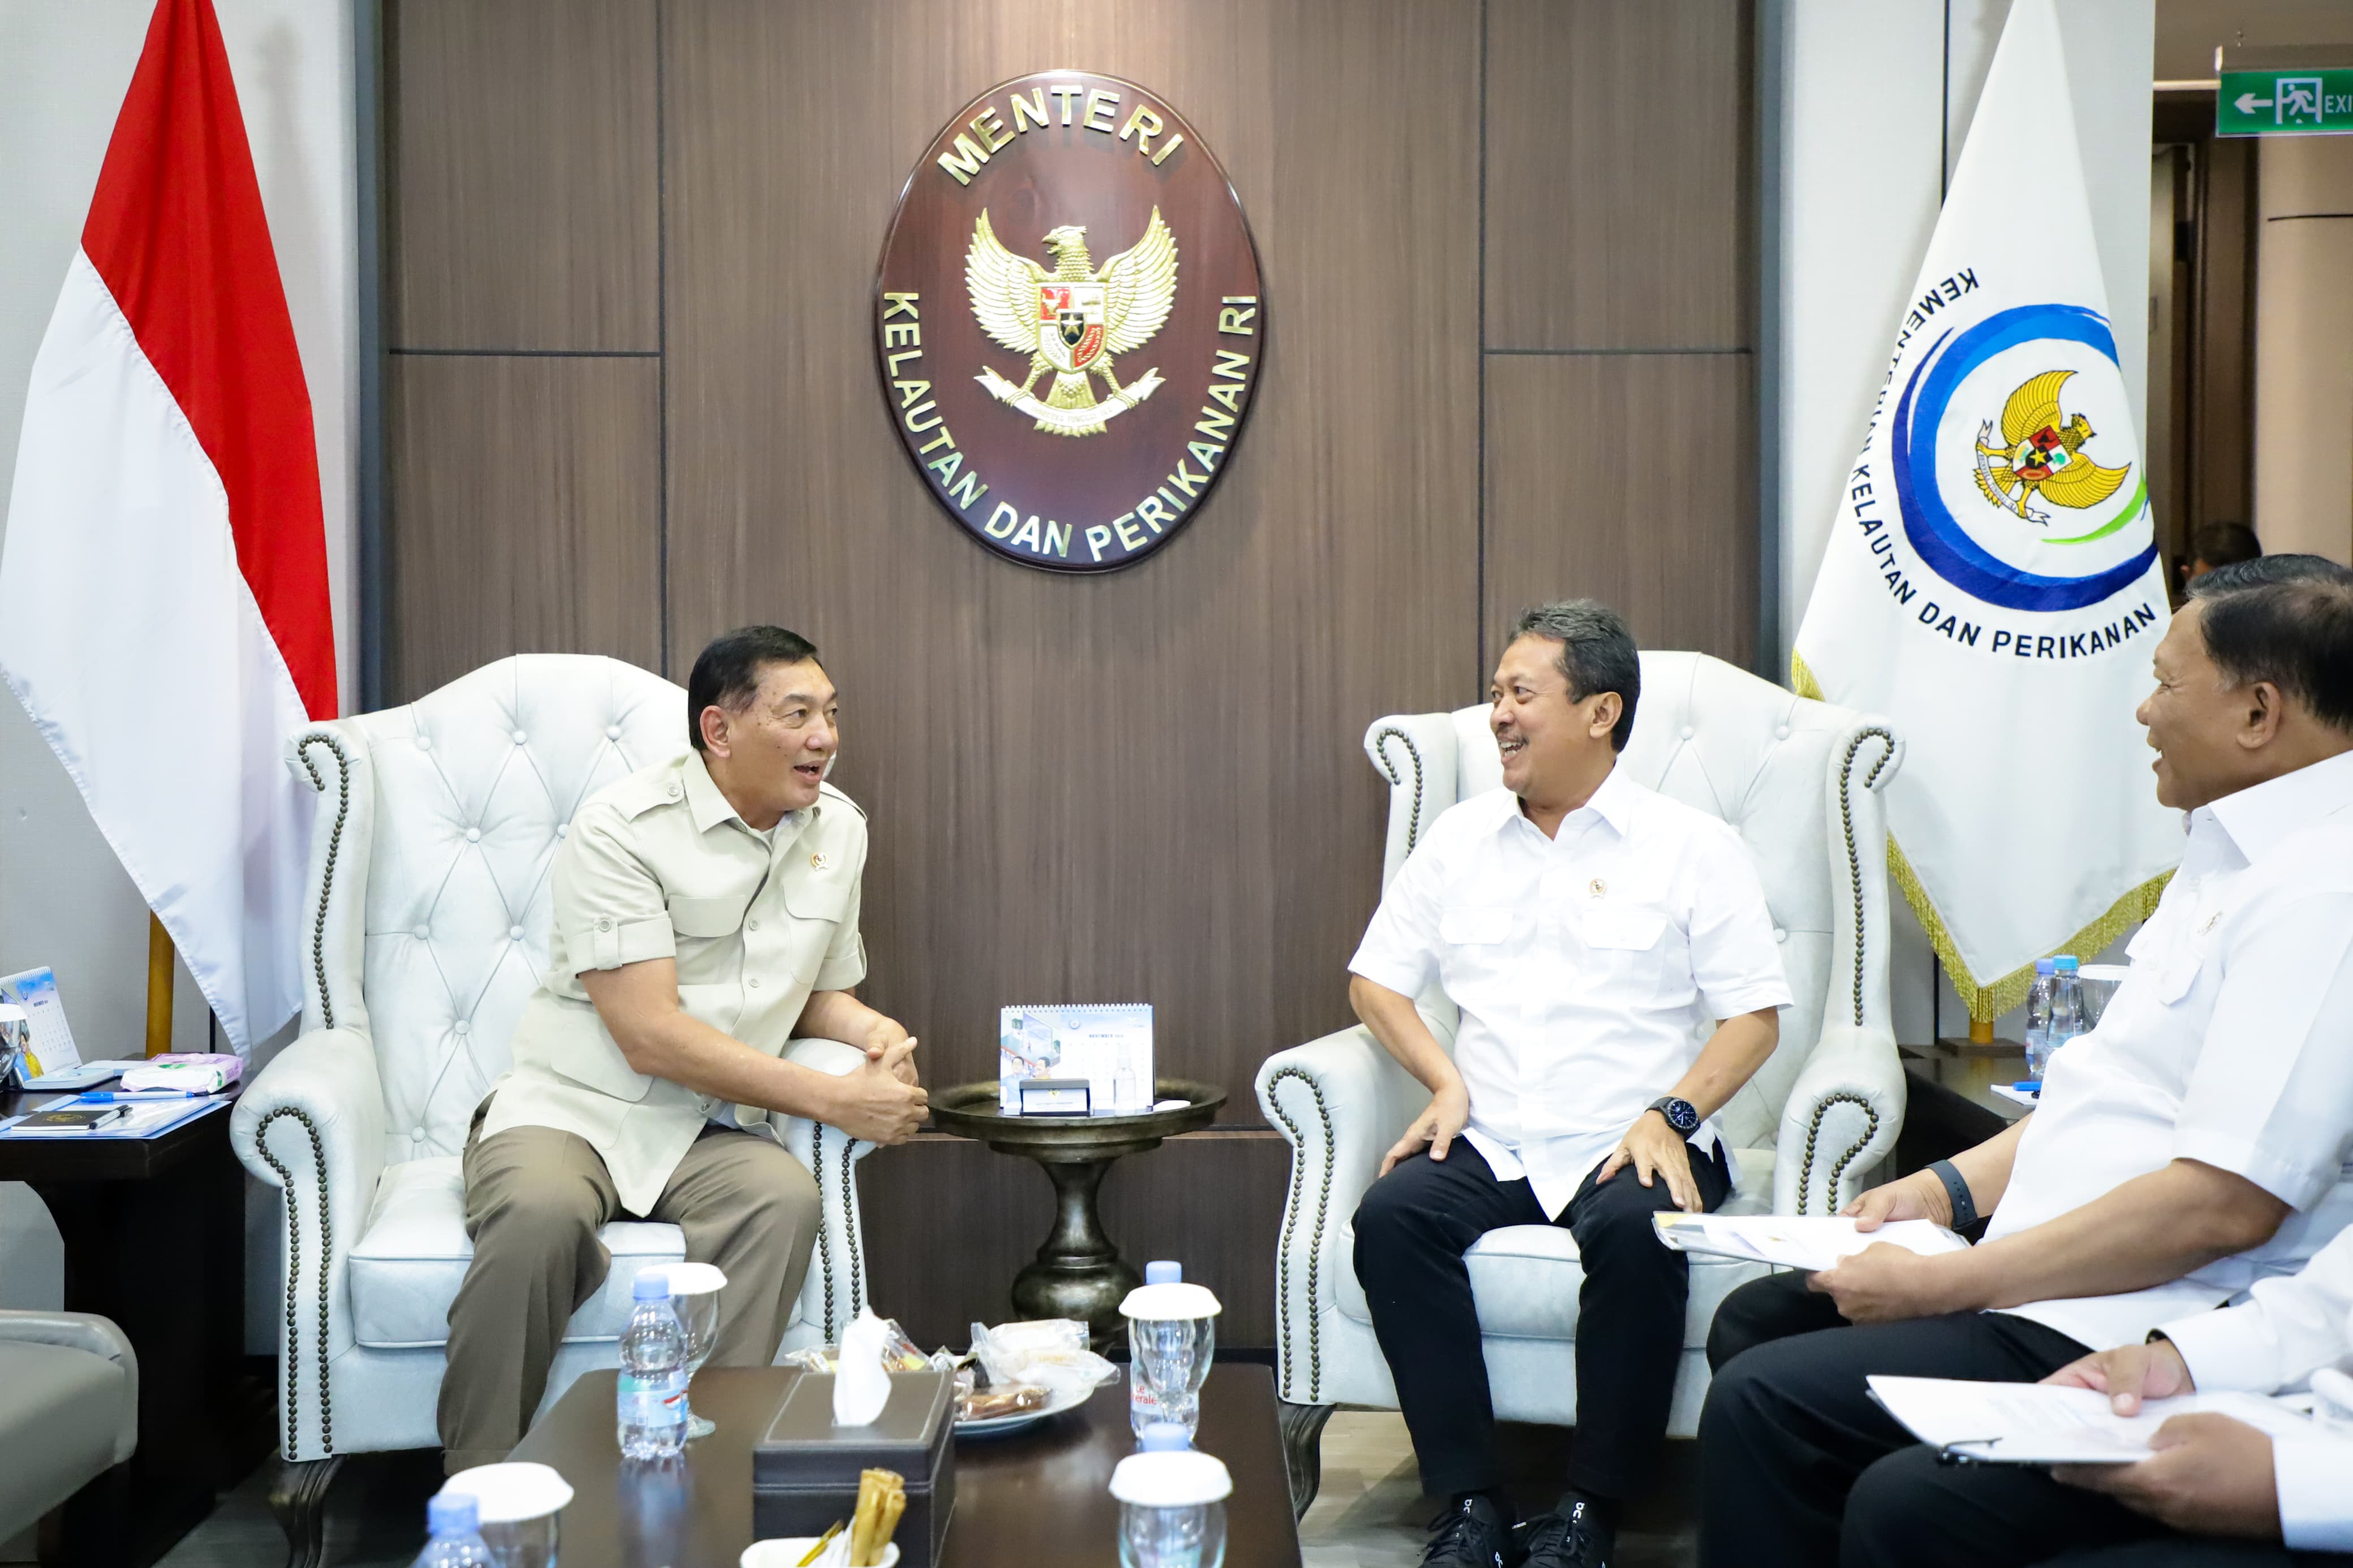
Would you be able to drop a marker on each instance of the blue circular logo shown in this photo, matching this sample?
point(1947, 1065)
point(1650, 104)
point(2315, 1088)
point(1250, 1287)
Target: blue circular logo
point(2038, 456)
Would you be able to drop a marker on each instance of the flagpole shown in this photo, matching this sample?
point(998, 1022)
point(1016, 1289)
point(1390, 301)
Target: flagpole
point(160, 954)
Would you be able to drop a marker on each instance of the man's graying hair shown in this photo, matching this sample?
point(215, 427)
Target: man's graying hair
point(2287, 619)
point(1597, 654)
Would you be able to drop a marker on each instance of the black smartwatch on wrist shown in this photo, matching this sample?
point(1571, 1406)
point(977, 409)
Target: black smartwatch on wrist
point(1680, 1114)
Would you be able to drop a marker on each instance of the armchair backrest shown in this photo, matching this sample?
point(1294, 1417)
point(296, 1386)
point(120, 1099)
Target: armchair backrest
point(1801, 780)
point(429, 884)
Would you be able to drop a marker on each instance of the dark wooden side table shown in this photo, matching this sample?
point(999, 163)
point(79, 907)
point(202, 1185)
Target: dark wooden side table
point(1078, 1272)
point(1951, 1103)
point(154, 1238)
point(1035, 1497)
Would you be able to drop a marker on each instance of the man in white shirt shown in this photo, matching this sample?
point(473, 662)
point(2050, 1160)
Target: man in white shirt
point(1589, 931)
point(2214, 1477)
point(2190, 1146)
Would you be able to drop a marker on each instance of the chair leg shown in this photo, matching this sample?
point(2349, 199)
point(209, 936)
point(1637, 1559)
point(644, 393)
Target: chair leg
point(297, 1496)
point(93, 1529)
point(1302, 1455)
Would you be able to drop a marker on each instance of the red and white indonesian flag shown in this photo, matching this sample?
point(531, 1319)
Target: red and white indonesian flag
point(1991, 582)
point(163, 610)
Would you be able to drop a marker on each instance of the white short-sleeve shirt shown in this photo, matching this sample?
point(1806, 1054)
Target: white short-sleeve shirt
point(2230, 1043)
point(1589, 967)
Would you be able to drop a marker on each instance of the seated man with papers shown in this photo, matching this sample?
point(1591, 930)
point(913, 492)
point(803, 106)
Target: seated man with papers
point(1588, 930)
point(2224, 1473)
point(2191, 1145)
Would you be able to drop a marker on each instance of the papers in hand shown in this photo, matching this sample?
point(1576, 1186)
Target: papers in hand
point(1794, 1241)
point(2038, 1423)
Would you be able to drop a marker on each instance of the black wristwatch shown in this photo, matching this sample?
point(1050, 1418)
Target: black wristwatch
point(1680, 1114)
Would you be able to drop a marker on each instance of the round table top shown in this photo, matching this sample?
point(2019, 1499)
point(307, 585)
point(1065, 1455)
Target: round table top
point(970, 1110)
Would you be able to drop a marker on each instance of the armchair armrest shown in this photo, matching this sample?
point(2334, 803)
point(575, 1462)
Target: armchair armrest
point(1841, 1119)
point(311, 1124)
point(93, 1335)
point(1340, 1102)
point(836, 1291)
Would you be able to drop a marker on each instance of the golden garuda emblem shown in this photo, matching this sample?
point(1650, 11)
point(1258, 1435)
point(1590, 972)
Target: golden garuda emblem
point(2041, 453)
point(1071, 320)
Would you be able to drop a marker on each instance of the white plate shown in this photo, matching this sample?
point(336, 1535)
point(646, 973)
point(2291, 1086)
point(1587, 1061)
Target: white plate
point(1000, 1425)
point(788, 1552)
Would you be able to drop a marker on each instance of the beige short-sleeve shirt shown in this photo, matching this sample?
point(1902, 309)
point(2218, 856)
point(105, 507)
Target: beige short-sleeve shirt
point(660, 866)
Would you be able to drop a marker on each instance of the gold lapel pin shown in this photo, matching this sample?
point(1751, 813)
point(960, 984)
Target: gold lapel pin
point(818, 861)
point(1598, 888)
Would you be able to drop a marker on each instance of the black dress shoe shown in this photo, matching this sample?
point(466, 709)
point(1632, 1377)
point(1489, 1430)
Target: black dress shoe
point(1573, 1540)
point(1471, 1534)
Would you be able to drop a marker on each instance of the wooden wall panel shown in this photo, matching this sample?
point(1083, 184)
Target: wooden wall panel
point(992, 1210)
point(522, 160)
point(1628, 479)
point(526, 492)
point(1144, 786)
point(1619, 175)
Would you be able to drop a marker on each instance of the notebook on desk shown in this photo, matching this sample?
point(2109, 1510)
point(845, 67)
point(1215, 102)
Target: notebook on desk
point(84, 1117)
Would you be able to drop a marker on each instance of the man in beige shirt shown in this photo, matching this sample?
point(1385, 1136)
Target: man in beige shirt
point(705, 914)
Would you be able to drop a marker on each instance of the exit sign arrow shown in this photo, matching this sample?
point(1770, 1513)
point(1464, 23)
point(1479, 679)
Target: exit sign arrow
point(2249, 103)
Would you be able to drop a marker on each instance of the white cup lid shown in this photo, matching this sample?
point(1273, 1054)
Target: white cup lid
point(1180, 1480)
point(511, 1492)
point(690, 1278)
point(1162, 1301)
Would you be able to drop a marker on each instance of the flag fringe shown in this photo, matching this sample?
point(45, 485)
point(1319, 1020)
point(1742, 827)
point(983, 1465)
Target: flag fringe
point(1989, 1000)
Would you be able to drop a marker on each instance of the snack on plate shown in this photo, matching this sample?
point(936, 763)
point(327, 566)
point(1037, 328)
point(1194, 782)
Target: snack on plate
point(1052, 1353)
point(899, 1354)
point(994, 1404)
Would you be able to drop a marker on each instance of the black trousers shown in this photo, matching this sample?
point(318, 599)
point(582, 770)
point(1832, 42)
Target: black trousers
point(1799, 1466)
point(1412, 1229)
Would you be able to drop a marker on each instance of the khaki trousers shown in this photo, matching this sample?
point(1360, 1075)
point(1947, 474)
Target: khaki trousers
point(535, 1199)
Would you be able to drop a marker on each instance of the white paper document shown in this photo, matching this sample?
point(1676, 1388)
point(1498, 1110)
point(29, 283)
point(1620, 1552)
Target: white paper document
point(1795, 1241)
point(2037, 1424)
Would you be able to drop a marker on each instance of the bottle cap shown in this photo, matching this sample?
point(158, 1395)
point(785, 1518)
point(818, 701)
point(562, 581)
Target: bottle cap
point(509, 1491)
point(652, 1285)
point(1164, 1272)
point(2045, 966)
point(2066, 963)
point(1184, 1479)
point(1158, 1303)
point(1164, 1437)
point(451, 1513)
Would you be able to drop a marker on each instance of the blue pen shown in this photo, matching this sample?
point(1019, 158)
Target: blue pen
point(2028, 1086)
point(111, 1096)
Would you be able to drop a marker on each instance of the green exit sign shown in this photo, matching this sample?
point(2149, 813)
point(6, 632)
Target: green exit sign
point(2284, 102)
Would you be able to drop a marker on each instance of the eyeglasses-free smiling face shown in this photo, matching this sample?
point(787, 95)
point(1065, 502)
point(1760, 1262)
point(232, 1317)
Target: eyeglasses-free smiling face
point(775, 749)
point(1550, 742)
point(2196, 721)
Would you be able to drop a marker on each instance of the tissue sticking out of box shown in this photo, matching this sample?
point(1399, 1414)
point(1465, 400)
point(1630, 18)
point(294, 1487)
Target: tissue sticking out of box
point(860, 1387)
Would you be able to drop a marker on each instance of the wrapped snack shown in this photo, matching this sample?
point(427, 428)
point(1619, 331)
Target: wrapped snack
point(899, 1354)
point(1052, 1355)
point(991, 1403)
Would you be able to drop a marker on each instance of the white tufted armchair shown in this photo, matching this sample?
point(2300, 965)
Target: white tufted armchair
point(428, 921)
point(1800, 779)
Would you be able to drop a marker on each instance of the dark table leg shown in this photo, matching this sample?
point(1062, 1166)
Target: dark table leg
point(164, 1258)
point(1079, 1273)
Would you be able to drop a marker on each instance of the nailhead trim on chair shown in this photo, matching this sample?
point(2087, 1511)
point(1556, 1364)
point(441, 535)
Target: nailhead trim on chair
point(1838, 1172)
point(1853, 856)
point(335, 849)
point(1290, 1228)
point(824, 1241)
point(1381, 748)
point(293, 1271)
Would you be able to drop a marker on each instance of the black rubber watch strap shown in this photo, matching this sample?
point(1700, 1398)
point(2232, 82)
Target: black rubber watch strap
point(1965, 1208)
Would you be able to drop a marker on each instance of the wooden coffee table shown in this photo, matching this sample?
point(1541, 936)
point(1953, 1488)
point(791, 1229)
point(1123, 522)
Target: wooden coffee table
point(1036, 1496)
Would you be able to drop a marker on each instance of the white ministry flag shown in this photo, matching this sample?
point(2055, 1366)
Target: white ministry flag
point(1992, 581)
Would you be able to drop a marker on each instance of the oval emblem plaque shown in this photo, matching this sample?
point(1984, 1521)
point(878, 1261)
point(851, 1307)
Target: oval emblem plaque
point(1068, 321)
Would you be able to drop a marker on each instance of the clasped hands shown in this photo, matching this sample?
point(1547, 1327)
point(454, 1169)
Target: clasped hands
point(2209, 1475)
point(884, 1100)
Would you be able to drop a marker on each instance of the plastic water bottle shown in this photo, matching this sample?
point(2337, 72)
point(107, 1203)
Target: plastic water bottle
point(1172, 1503)
point(457, 1540)
point(2038, 1016)
point(2067, 1007)
point(653, 1374)
point(1172, 1336)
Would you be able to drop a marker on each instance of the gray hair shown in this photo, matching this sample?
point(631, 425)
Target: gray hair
point(1597, 654)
